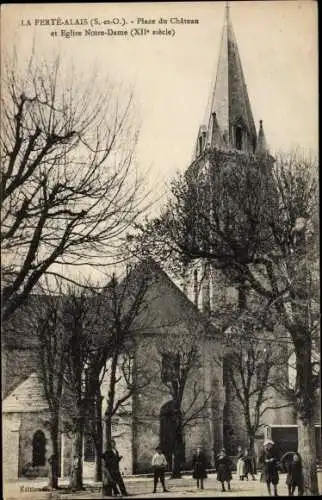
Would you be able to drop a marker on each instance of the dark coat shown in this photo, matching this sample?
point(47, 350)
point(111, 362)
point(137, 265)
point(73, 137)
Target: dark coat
point(111, 460)
point(270, 467)
point(248, 464)
point(199, 466)
point(294, 474)
point(224, 467)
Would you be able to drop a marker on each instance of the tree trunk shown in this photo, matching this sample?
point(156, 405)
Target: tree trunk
point(76, 480)
point(305, 412)
point(54, 459)
point(178, 449)
point(251, 448)
point(98, 437)
point(251, 443)
point(176, 472)
point(307, 450)
point(110, 401)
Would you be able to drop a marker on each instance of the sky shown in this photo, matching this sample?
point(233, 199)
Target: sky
point(172, 75)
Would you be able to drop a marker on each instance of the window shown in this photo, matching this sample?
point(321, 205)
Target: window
point(200, 144)
point(89, 449)
point(239, 138)
point(39, 449)
point(170, 367)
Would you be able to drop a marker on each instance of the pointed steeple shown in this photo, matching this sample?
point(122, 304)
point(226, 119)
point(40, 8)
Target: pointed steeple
point(261, 146)
point(230, 100)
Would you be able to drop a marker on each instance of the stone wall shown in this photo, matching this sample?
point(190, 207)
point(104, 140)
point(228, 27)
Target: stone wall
point(30, 423)
point(10, 445)
point(148, 403)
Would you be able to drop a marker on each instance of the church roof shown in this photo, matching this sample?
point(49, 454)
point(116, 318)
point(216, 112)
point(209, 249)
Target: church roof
point(167, 306)
point(27, 397)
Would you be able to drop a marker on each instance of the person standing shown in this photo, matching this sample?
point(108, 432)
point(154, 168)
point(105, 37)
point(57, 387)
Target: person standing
point(252, 457)
point(112, 459)
point(294, 478)
point(109, 480)
point(269, 463)
point(118, 475)
point(159, 464)
point(240, 463)
point(199, 466)
point(224, 466)
point(248, 465)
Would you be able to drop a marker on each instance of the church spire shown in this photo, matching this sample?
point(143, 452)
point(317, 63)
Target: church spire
point(261, 146)
point(230, 103)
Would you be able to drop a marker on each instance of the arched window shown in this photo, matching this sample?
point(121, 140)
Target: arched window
point(39, 449)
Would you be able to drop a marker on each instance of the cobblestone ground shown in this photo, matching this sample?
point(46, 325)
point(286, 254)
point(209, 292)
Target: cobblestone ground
point(142, 487)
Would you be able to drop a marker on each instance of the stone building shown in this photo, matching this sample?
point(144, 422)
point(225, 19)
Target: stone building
point(172, 319)
point(168, 319)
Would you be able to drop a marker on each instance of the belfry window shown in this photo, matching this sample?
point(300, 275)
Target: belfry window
point(39, 449)
point(239, 138)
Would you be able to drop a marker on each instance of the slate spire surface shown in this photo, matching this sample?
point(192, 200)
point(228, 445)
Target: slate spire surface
point(231, 124)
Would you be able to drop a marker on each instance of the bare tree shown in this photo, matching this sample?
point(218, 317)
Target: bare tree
point(84, 325)
point(43, 314)
point(127, 300)
point(252, 368)
point(242, 213)
point(180, 361)
point(69, 187)
point(111, 368)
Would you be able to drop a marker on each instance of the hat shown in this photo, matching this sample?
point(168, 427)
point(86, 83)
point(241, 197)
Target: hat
point(268, 441)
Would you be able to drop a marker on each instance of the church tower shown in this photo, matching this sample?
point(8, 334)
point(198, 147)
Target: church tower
point(228, 147)
point(230, 131)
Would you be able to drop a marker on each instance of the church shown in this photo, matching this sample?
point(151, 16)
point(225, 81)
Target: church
point(211, 420)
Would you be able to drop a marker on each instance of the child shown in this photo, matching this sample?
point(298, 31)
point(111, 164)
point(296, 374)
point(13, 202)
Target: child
point(294, 476)
point(159, 464)
point(223, 469)
point(248, 465)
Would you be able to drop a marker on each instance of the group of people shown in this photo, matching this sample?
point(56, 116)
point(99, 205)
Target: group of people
point(199, 467)
point(290, 462)
point(223, 467)
point(246, 464)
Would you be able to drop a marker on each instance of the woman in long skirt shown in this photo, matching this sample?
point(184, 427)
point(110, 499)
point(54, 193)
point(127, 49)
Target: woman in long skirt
point(240, 463)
